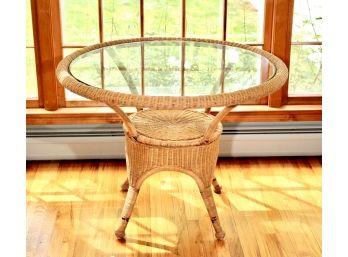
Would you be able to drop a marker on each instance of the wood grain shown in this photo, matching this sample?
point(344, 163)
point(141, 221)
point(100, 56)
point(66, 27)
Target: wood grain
point(315, 100)
point(268, 207)
point(103, 115)
point(48, 52)
point(267, 41)
point(281, 43)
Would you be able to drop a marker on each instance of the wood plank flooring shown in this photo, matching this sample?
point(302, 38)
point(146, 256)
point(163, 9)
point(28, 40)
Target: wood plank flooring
point(269, 207)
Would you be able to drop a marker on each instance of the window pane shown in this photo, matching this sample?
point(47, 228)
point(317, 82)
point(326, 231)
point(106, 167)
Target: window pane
point(242, 69)
point(162, 18)
point(307, 20)
point(162, 72)
point(204, 18)
point(122, 69)
point(31, 81)
point(29, 25)
point(305, 70)
point(68, 94)
point(125, 60)
point(80, 21)
point(202, 67)
point(121, 19)
point(67, 51)
point(245, 19)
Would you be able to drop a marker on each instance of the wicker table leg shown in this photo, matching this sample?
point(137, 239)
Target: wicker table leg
point(127, 211)
point(207, 196)
point(125, 185)
point(216, 185)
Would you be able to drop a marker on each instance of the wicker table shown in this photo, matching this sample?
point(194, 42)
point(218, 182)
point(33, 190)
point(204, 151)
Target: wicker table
point(167, 79)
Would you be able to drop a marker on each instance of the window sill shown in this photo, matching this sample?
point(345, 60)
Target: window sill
point(102, 115)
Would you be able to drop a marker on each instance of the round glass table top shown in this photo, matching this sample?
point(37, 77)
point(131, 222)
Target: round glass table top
point(171, 68)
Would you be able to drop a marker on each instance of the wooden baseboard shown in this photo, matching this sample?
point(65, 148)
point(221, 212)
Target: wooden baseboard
point(248, 145)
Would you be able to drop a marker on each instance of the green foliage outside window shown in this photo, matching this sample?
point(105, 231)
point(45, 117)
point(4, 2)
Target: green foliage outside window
point(31, 82)
point(121, 19)
point(306, 63)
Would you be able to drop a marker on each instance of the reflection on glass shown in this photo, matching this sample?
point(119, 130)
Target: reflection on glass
point(232, 56)
point(31, 80)
point(88, 68)
point(245, 20)
point(122, 69)
point(242, 69)
point(205, 70)
point(204, 18)
point(305, 70)
point(121, 19)
point(307, 20)
point(79, 22)
point(162, 18)
point(161, 68)
point(202, 75)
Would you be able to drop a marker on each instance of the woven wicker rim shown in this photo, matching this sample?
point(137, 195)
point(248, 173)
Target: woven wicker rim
point(172, 102)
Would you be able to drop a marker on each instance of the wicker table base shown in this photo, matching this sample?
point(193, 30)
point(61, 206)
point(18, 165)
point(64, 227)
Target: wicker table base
point(197, 161)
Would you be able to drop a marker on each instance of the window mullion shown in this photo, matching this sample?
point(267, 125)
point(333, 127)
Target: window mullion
point(141, 18)
point(48, 52)
point(224, 21)
point(281, 43)
point(101, 40)
point(183, 18)
point(183, 47)
point(223, 51)
point(58, 49)
point(267, 41)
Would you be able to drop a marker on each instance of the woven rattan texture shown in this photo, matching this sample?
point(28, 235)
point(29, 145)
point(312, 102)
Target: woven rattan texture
point(168, 137)
point(173, 127)
point(143, 160)
point(197, 161)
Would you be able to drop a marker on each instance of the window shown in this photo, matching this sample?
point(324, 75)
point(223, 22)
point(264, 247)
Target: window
point(120, 19)
point(306, 49)
point(162, 18)
point(80, 27)
point(203, 19)
point(245, 21)
point(73, 24)
point(31, 79)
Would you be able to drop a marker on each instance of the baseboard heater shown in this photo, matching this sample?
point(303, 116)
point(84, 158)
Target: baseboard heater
point(106, 141)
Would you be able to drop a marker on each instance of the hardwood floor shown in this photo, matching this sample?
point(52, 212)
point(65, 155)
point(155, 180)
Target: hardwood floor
point(269, 207)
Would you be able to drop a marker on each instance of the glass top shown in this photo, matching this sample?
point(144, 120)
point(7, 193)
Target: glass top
point(171, 68)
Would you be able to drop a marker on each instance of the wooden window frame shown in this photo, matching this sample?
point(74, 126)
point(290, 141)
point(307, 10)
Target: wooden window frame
point(48, 45)
point(48, 53)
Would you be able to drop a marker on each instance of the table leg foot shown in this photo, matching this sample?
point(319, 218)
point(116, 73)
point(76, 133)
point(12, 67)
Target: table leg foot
point(120, 235)
point(126, 212)
point(217, 187)
point(220, 235)
point(125, 186)
point(207, 196)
